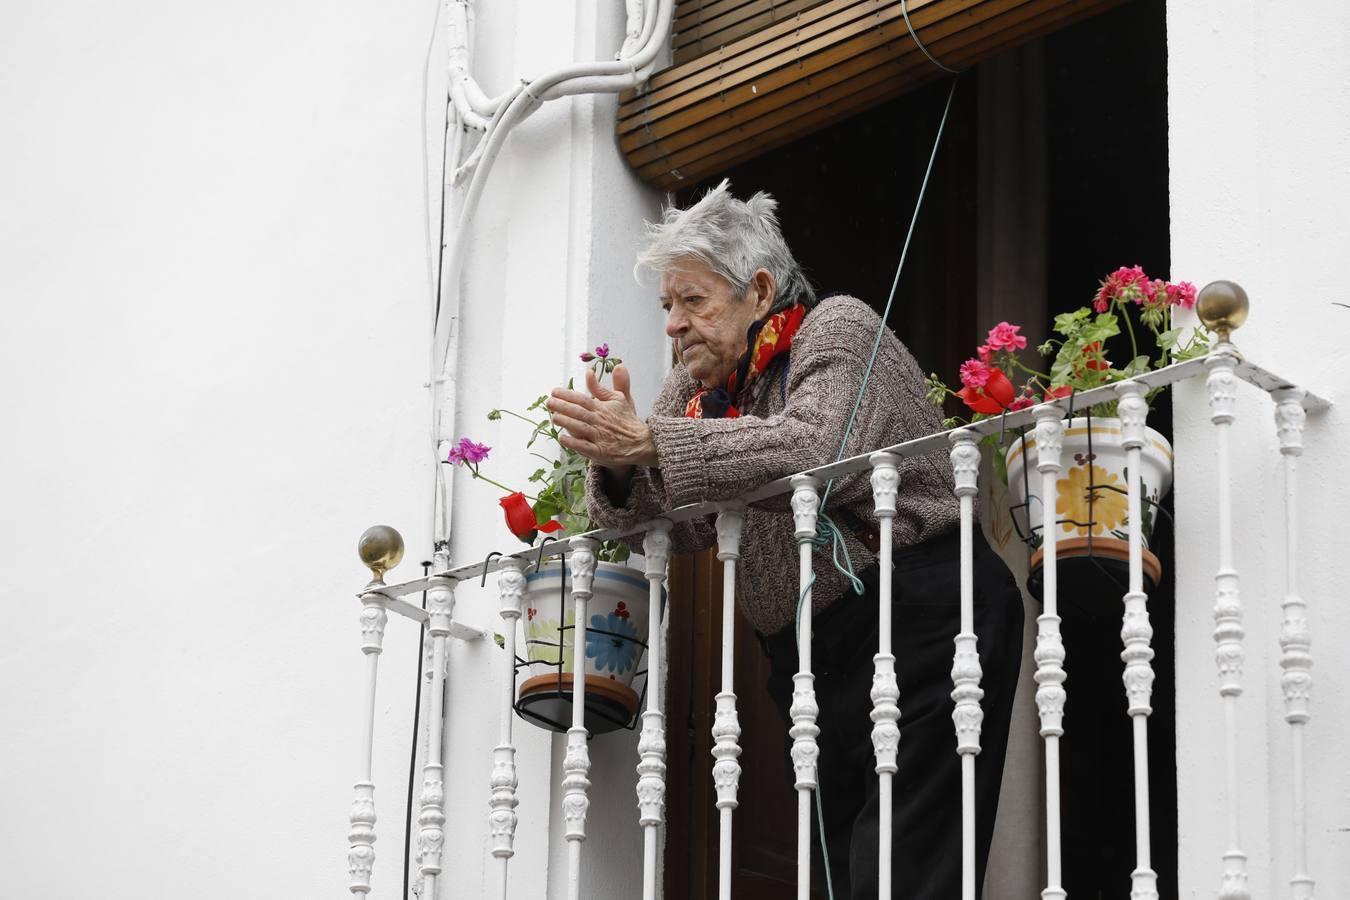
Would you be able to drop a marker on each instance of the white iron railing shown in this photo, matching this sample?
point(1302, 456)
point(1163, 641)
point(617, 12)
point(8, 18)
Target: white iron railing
point(1223, 369)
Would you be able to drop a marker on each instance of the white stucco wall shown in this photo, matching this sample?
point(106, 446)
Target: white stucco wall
point(213, 357)
point(1259, 108)
point(214, 352)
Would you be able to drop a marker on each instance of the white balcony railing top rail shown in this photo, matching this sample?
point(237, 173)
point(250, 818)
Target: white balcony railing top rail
point(1249, 372)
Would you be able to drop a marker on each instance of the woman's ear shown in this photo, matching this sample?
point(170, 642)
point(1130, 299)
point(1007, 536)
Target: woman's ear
point(763, 292)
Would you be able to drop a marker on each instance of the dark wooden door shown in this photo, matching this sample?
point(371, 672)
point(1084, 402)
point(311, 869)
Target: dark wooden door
point(765, 824)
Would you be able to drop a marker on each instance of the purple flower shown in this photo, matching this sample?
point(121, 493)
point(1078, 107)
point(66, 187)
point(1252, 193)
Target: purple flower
point(467, 451)
point(587, 356)
point(602, 351)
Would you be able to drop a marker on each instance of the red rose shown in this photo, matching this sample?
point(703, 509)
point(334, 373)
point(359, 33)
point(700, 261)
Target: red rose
point(1063, 390)
point(519, 516)
point(996, 395)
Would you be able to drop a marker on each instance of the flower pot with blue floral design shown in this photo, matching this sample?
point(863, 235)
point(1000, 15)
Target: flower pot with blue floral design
point(615, 636)
point(1091, 505)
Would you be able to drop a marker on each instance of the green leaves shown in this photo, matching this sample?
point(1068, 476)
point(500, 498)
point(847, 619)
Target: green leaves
point(1069, 324)
point(1137, 366)
point(1077, 362)
point(1167, 340)
point(562, 479)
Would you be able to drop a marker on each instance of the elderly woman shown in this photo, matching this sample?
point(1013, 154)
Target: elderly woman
point(768, 377)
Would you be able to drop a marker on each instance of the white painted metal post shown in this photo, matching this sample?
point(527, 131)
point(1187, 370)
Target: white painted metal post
point(1228, 632)
point(1050, 676)
point(805, 751)
point(504, 781)
point(431, 817)
point(651, 768)
point(1136, 633)
point(885, 690)
point(577, 761)
point(361, 834)
point(726, 730)
point(966, 672)
point(1295, 638)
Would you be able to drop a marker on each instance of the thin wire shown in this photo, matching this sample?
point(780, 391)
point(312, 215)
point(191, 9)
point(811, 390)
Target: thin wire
point(412, 761)
point(932, 59)
point(826, 529)
point(432, 277)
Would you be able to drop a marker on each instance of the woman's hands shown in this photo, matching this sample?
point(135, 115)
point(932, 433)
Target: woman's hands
point(603, 426)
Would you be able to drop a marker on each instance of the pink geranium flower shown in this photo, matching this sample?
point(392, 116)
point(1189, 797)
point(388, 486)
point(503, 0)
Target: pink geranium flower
point(1129, 276)
point(985, 354)
point(467, 451)
point(602, 351)
point(1004, 336)
point(974, 374)
point(1103, 299)
point(1181, 294)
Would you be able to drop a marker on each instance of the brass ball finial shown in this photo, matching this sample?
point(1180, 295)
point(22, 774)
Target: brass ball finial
point(380, 548)
point(1222, 307)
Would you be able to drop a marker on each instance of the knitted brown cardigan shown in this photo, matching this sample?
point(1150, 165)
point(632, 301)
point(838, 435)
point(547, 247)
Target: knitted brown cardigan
point(793, 420)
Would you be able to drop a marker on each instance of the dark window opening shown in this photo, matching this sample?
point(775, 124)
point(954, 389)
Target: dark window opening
point(846, 195)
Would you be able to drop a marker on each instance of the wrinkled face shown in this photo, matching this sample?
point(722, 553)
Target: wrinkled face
point(707, 319)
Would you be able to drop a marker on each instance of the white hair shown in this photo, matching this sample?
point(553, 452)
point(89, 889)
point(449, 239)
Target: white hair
point(734, 238)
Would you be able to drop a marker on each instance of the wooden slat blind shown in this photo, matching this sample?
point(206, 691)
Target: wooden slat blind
point(823, 63)
point(702, 26)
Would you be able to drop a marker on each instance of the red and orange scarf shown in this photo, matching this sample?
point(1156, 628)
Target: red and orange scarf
point(767, 339)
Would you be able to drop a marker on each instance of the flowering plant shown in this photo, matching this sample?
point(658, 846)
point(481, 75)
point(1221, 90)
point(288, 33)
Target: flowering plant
point(559, 503)
point(1078, 356)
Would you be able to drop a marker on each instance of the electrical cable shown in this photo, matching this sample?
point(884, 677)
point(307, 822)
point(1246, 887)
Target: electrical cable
point(826, 529)
point(426, 161)
point(904, 11)
point(412, 760)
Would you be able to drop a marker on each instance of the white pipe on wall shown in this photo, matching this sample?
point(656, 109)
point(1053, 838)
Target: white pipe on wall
point(512, 108)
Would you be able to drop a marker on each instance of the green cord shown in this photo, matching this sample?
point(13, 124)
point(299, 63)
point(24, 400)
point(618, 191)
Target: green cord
point(826, 529)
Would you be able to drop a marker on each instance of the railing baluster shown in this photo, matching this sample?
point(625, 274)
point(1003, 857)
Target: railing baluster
point(1228, 632)
point(503, 781)
point(651, 768)
point(885, 691)
point(805, 751)
point(577, 762)
point(1050, 675)
point(431, 817)
point(1295, 640)
point(966, 673)
point(726, 730)
point(1136, 633)
point(361, 834)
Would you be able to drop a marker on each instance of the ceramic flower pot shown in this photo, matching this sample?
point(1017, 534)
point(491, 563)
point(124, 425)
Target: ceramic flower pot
point(614, 635)
point(1091, 507)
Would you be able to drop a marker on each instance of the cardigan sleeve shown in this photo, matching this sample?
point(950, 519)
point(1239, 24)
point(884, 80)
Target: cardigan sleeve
point(647, 496)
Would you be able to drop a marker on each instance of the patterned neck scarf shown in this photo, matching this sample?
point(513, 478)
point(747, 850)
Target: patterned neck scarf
point(767, 339)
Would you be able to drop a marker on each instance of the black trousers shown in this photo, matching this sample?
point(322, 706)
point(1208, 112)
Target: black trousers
point(926, 824)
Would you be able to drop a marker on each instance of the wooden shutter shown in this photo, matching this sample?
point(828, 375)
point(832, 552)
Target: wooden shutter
point(752, 75)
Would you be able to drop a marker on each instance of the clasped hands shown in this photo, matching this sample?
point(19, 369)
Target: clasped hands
point(603, 425)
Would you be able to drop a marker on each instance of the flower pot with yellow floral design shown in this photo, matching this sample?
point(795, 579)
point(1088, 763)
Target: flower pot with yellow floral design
point(1091, 505)
point(616, 635)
